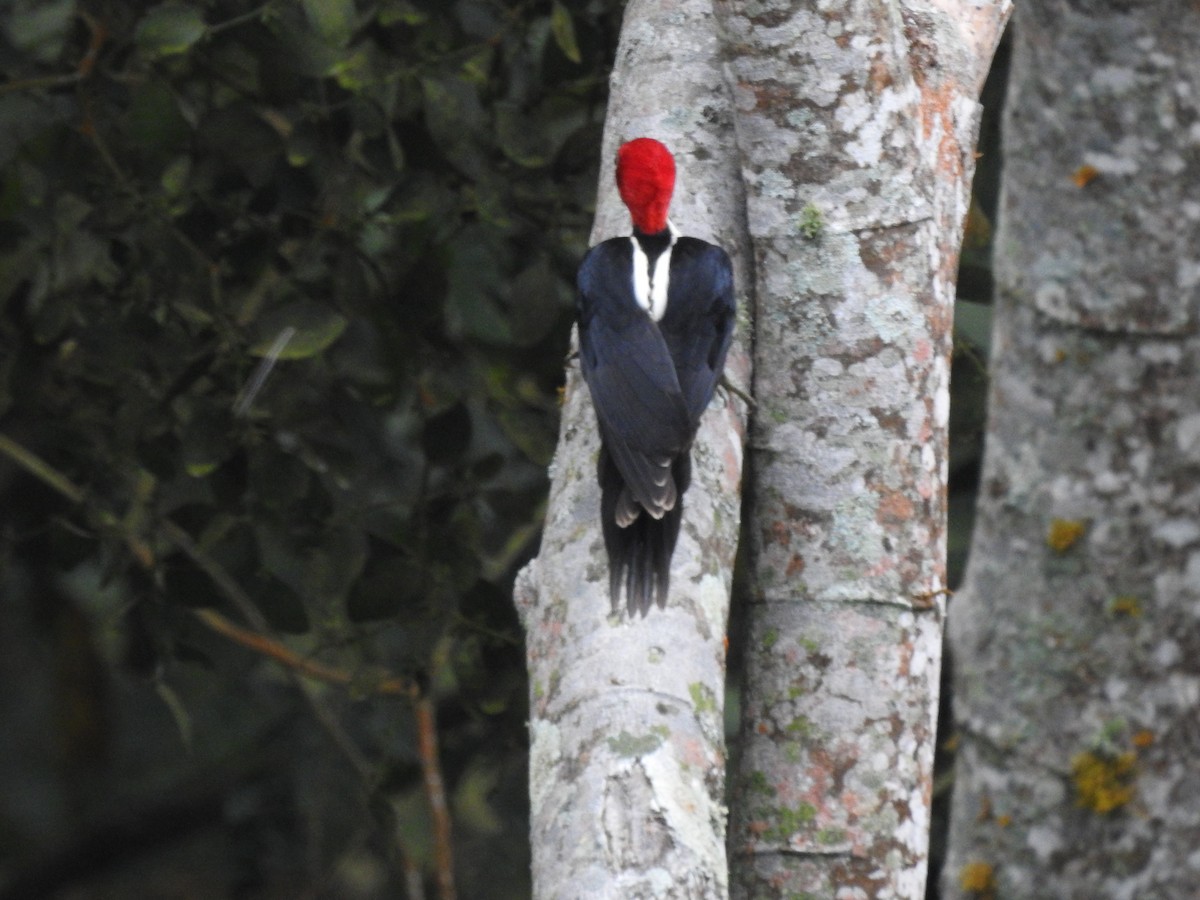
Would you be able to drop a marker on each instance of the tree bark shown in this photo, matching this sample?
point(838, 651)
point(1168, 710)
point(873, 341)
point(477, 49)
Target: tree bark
point(1076, 636)
point(856, 124)
point(627, 764)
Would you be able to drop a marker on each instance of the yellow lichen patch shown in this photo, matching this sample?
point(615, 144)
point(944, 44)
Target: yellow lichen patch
point(1004, 820)
point(1103, 783)
point(1125, 605)
point(1143, 738)
point(978, 878)
point(1064, 533)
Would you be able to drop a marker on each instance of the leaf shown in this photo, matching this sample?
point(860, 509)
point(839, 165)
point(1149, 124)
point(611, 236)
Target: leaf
point(389, 586)
point(332, 568)
point(447, 435)
point(40, 27)
point(170, 29)
point(973, 322)
point(473, 296)
point(564, 32)
point(24, 117)
point(298, 45)
point(179, 713)
point(205, 443)
point(520, 142)
point(302, 146)
point(333, 19)
point(355, 72)
point(314, 328)
point(279, 478)
point(456, 118)
point(543, 302)
point(489, 197)
point(477, 68)
point(281, 606)
point(472, 797)
point(524, 428)
point(479, 19)
point(155, 123)
point(400, 12)
point(175, 176)
point(238, 135)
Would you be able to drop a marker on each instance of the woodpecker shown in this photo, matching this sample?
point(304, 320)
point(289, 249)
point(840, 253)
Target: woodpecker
point(656, 315)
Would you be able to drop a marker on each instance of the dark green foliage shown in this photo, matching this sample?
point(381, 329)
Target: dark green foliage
point(296, 277)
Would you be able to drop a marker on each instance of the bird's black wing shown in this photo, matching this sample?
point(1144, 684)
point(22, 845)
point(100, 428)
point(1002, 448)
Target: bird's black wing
point(643, 417)
point(699, 320)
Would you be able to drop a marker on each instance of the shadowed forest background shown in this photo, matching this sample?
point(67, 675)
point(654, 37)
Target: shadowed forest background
point(285, 294)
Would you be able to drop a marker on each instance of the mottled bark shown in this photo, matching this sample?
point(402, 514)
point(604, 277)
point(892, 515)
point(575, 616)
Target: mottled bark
point(627, 761)
point(856, 124)
point(1077, 634)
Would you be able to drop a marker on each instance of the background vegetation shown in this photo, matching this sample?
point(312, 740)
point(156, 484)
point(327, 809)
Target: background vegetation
point(388, 200)
point(285, 292)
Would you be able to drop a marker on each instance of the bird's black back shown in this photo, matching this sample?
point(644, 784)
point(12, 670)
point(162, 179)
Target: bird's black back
point(650, 384)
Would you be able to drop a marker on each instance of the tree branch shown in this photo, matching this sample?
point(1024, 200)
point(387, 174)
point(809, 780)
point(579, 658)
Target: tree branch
point(40, 469)
point(435, 792)
point(385, 685)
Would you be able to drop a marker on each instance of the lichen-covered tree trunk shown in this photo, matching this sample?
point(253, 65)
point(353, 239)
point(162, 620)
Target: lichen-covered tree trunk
point(1077, 636)
point(856, 124)
point(627, 761)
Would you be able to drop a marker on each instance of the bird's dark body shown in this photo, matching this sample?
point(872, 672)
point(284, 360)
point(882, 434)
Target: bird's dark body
point(650, 384)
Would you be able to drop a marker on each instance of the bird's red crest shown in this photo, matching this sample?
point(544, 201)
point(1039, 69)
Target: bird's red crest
point(645, 180)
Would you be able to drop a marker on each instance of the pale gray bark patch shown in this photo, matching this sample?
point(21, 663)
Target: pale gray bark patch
point(1107, 146)
point(627, 765)
point(843, 697)
point(856, 124)
point(1086, 652)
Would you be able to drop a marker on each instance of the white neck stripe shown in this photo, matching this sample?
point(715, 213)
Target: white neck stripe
point(651, 293)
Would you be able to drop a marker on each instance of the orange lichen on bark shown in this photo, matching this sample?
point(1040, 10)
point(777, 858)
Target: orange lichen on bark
point(1085, 175)
point(894, 508)
point(778, 533)
point(938, 122)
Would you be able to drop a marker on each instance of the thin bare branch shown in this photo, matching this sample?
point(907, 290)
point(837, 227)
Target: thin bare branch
point(40, 469)
point(385, 684)
point(435, 792)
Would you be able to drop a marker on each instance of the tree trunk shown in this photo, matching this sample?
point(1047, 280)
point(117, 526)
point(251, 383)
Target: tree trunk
point(627, 763)
point(856, 124)
point(1076, 636)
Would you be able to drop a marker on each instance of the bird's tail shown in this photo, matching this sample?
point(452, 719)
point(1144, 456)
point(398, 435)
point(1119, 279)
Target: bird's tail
point(639, 553)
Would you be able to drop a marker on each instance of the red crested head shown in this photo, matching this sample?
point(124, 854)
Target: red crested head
point(645, 180)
